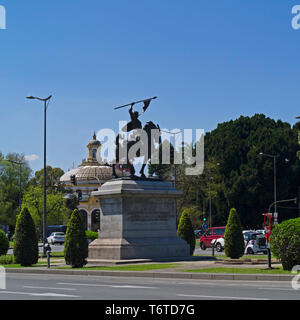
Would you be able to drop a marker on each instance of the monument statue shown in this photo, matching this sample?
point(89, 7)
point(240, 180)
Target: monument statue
point(137, 215)
point(141, 137)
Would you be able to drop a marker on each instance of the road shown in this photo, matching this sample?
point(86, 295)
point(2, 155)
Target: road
point(70, 287)
point(54, 248)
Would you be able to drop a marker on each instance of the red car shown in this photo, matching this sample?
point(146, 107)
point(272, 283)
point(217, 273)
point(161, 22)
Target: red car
point(211, 234)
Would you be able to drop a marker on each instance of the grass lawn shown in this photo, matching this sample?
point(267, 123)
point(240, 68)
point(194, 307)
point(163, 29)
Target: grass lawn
point(57, 254)
point(138, 267)
point(14, 265)
point(240, 270)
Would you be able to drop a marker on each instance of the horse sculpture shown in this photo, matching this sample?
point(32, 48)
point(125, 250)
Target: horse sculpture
point(146, 143)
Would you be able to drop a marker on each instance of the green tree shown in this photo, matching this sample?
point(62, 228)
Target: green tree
point(234, 241)
point(185, 230)
point(76, 244)
point(26, 251)
point(4, 243)
point(285, 243)
point(52, 178)
point(10, 186)
point(33, 199)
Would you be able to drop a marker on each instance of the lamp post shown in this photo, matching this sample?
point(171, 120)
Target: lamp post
point(275, 200)
point(46, 102)
point(210, 179)
point(274, 160)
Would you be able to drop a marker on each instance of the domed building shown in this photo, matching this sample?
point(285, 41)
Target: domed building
point(90, 175)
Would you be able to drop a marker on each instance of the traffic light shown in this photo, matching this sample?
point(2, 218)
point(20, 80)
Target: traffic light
point(73, 180)
point(204, 219)
point(79, 195)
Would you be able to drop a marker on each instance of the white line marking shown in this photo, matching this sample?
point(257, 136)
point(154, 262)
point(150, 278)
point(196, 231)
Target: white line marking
point(219, 297)
point(45, 294)
point(276, 289)
point(50, 288)
point(106, 285)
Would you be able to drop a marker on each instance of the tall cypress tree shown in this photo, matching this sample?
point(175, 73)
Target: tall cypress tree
point(76, 244)
point(185, 230)
point(26, 249)
point(234, 240)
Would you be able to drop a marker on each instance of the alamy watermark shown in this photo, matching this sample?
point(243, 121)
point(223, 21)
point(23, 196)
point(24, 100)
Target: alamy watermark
point(2, 18)
point(296, 18)
point(123, 147)
point(296, 279)
point(2, 278)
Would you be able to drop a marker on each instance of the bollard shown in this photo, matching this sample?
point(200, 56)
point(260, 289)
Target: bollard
point(269, 259)
point(48, 259)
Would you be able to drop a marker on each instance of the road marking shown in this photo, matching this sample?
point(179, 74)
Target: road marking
point(277, 289)
point(50, 288)
point(106, 285)
point(45, 294)
point(219, 297)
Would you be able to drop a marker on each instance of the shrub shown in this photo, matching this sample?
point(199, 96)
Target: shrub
point(4, 243)
point(26, 249)
point(285, 243)
point(7, 259)
point(76, 244)
point(234, 240)
point(91, 235)
point(185, 230)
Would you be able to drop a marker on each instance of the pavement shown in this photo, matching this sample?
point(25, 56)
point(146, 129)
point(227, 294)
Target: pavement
point(178, 272)
point(204, 259)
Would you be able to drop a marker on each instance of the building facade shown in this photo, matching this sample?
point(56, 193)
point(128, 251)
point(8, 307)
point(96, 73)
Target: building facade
point(90, 175)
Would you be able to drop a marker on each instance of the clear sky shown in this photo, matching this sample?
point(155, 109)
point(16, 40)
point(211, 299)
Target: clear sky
point(208, 61)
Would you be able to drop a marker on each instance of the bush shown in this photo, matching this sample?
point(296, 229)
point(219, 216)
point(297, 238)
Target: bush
point(91, 235)
point(26, 249)
point(4, 243)
point(285, 243)
point(9, 259)
point(185, 230)
point(76, 244)
point(234, 240)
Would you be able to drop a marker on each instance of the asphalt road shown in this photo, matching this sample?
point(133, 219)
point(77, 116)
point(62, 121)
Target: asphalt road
point(68, 287)
point(54, 248)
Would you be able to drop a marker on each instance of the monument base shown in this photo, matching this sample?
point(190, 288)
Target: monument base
point(138, 222)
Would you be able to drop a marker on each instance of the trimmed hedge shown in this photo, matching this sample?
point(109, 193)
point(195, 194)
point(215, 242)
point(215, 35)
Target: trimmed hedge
point(285, 243)
point(26, 250)
point(76, 244)
point(234, 240)
point(91, 235)
point(4, 243)
point(185, 230)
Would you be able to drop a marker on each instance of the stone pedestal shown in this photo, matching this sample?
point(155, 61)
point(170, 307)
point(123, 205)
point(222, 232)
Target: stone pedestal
point(138, 221)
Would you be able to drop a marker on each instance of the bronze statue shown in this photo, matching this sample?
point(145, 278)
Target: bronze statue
point(141, 136)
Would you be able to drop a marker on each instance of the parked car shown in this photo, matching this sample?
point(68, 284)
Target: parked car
point(211, 234)
point(255, 242)
point(56, 237)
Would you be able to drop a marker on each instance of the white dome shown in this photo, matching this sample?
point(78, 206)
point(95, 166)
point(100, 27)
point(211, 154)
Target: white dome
point(67, 176)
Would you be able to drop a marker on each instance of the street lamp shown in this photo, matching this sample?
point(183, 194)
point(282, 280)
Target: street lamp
point(210, 179)
point(46, 102)
point(274, 159)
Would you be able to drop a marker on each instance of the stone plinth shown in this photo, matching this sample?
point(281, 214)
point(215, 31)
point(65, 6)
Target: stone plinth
point(138, 221)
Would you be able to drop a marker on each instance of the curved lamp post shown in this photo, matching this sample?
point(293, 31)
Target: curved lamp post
point(46, 101)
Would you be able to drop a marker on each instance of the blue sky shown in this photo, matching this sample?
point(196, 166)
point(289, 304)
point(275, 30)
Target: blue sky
point(207, 61)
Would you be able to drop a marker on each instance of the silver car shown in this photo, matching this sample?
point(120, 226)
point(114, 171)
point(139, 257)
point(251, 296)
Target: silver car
point(56, 237)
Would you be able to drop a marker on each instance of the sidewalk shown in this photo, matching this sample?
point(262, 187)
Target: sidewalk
point(174, 273)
